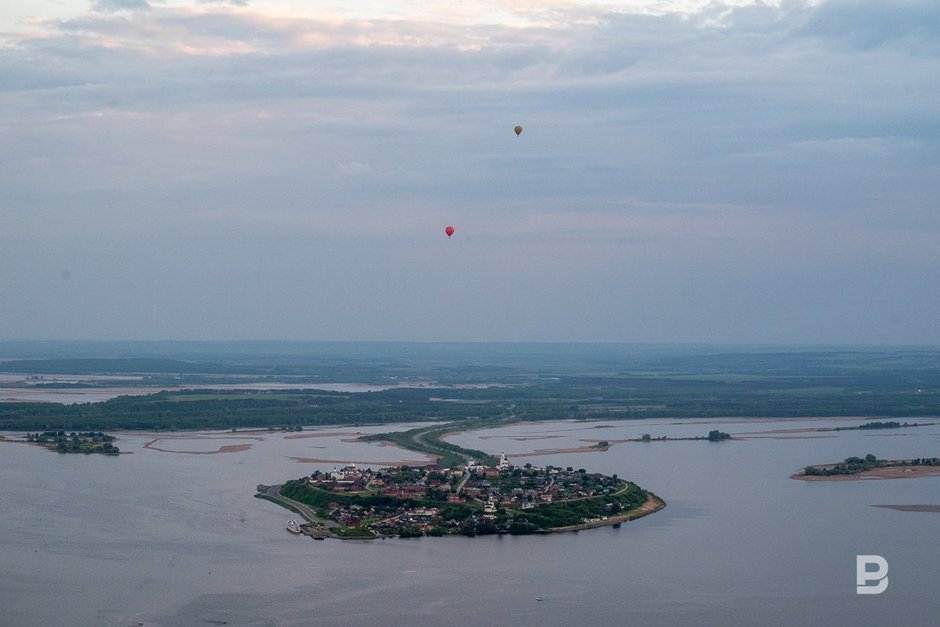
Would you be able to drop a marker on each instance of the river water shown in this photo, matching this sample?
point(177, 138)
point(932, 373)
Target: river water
point(71, 395)
point(174, 536)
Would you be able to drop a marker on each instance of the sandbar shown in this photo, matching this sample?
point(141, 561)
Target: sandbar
point(319, 434)
point(385, 463)
point(227, 448)
point(891, 472)
point(912, 508)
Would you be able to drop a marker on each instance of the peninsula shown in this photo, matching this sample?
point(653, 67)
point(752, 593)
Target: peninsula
point(473, 499)
point(870, 467)
point(86, 442)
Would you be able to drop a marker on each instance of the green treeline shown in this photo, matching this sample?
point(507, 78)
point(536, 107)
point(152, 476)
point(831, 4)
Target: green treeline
point(85, 442)
point(301, 491)
point(573, 512)
point(856, 465)
point(717, 436)
point(578, 397)
point(238, 409)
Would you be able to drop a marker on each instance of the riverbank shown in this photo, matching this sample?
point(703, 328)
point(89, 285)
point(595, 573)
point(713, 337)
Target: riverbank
point(320, 528)
point(84, 443)
point(652, 505)
point(912, 508)
point(887, 472)
point(316, 527)
point(471, 500)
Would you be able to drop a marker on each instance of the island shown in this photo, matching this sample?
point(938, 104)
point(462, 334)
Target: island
point(86, 442)
point(870, 467)
point(472, 499)
point(882, 424)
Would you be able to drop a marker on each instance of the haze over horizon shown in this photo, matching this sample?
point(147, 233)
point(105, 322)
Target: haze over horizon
point(691, 171)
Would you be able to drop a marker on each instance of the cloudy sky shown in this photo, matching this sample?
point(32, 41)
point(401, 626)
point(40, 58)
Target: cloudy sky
point(690, 170)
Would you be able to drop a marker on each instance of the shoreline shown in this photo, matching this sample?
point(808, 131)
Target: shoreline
point(225, 448)
point(912, 508)
point(652, 505)
point(361, 462)
point(319, 528)
point(49, 446)
point(889, 472)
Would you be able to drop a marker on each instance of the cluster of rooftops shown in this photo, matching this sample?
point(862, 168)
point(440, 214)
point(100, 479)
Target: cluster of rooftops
point(423, 496)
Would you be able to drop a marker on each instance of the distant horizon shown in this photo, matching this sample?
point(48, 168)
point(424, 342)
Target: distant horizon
point(744, 345)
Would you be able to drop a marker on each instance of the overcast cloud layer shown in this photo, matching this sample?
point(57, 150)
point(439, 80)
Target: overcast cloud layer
point(689, 171)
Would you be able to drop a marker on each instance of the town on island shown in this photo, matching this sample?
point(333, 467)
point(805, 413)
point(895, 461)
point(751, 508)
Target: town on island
point(471, 499)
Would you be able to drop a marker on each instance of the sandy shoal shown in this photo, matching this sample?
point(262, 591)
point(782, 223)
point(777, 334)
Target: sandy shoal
point(912, 508)
point(892, 472)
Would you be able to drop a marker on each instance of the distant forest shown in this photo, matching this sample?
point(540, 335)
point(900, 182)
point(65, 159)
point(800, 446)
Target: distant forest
point(527, 382)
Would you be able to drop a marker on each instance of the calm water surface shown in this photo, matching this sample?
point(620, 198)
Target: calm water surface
point(176, 538)
point(70, 396)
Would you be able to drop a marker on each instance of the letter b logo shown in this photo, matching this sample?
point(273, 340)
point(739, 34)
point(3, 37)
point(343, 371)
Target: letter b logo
point(863, 575)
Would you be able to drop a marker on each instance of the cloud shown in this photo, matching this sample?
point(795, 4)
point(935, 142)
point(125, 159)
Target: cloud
point(662, 148)
point(110, 6)
point(626, 94)
point(237, 3)
point(865, 25)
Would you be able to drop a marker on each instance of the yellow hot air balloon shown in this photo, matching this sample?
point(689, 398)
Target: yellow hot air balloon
point(518, 130)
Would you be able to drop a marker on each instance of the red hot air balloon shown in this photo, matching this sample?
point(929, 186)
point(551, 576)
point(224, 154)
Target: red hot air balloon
point(449, 230)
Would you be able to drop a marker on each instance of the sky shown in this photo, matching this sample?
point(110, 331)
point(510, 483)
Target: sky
point(690, 170)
